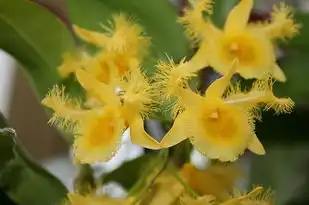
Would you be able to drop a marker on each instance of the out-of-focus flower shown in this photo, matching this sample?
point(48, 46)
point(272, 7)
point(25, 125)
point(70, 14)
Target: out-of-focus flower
point(216, 180)
point(123, 46)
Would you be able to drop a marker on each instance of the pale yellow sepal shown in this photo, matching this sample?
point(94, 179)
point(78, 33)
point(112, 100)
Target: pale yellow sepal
point(238, 16)
point(140, 137)
point(93, 37)
point(178, 131)
point(278, 73)
point(217, 88)
point(256, 146)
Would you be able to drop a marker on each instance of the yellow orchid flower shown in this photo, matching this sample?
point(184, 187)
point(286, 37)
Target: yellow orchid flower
point(98, 130)
point(76, 199)
point(257, 196)
point(251, 44)
point(219, 126)
point(204, 200)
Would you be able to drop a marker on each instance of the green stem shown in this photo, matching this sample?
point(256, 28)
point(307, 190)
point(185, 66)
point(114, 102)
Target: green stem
point(153, 171)
point(84, 182)
point(185, 185)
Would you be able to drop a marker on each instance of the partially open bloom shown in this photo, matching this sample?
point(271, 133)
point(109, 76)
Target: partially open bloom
point(250, 44)
point(216, 180)
point(98, 130)
point(123, 46)
point(222, 126)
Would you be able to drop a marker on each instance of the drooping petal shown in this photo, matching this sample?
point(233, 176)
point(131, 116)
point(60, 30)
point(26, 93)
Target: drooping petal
point(238, 16)
point(140, 137)
point(278, 73)
point(97, 38)
point(104, 92)
point(178, 131)
point(217, 88)
point(256, 146)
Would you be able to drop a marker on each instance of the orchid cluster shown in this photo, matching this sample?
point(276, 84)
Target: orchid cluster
point(219, 123)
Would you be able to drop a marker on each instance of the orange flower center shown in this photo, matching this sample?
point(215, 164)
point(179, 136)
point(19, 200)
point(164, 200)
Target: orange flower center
point(239, 47)
point(219, 121)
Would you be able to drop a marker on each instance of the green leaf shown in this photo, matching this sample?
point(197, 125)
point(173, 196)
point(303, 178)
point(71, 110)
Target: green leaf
point(157, 17)
point(36, 38)
point(295, 67)
point(23, 180)
point(283, 169)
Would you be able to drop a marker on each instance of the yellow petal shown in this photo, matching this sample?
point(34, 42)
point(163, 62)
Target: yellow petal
point(238, 16)
point(178, 131)
point(93, 37)
point(67, 111)
point(140, 137)
point(200, 59)
point(104, 92)
point(278, 74)
point(217, 88)
point(188, 98)
point(256, 146)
